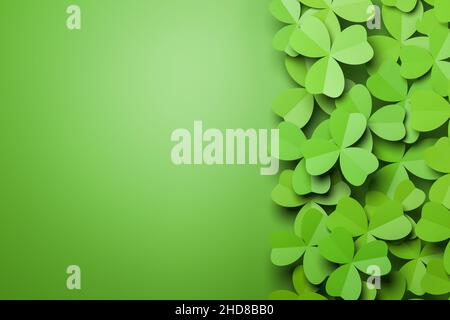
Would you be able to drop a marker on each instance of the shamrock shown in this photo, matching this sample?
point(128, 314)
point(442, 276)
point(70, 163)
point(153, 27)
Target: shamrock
point(310, 228)
point(303, 289)
point(346, 129)
point(303, 183)
point(313, 40)
point(434, 225)
point(345, 281)
point(284, 195)
point(385, 49)
point(351, 10)
point(418, 59)
point(387, 221)
point(409, 196)
point(386, 122)
point(291, 141)
point(419, 255)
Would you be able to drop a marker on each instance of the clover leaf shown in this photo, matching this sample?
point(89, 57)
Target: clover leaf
point(402, 25)
point(313, 40)
point(402, 5)
point(309, 230)
point(345, 281)
point(351, 10)
point(437, 157)
point(436, 281)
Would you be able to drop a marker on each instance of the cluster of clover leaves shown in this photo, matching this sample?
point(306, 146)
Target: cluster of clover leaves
point(366, 136)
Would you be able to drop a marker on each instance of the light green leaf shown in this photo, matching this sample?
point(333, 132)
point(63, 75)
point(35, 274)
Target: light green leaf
point(399, 24)
point(352, 10)
point(373, 253)
point(414, 271)
point(338, 247)
point(300, 282)
point(357, 100)
point(286, 249)
point(409, 196)
point(298, 67)
point(287, 11)
point(346, 128)
point(295, 106)
point(387, 84)
point(350, 216)
point(387, 122)
point(283, 193)
point(388, 222)
point(304, 183)
point(357, 164)
point(325, 77)
point(407, 250)
point(291, 141)
point(436, 281)
point(387, 179)
point(344, 282)
point(385, 48)
point(429, 111)
point(351, 46)
point(414, 160)
point(311, 39)
point(317, 268)
point(320, 155)
point(434, 225)
point(416, 61)
point(440, 191)
point(442, 8)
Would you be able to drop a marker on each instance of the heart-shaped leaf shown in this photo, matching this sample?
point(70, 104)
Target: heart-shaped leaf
point(373, 254)
point(403, 5)
point(311, 39)
point(351, 46)
point(320, 155)
point(416, 61)
point(357, 100)
point(414, 160)
point(286, 248)
point(409, 196)
point(346, 128)
point(436, 281)
point(287, 11)
point(300, 282)
point(352, 10)
point(429, 111)
point(414, 271)
point(357, 164)
point(325, 77)
point(338, 247)
point(350, 216)
point(434, 225)
point(344, 282)
point(295, 106)
point(401, 25)
point(385, 48)
point(387, 84)
point(440, 191)
point(298, 67)
point(442, 10)
point(283, 193)
point(407, 250)
point(388, 222)
point(387, 122)
point(282, 39)
point(291, 141)
point(317, 268)
point(304, 183)
point(438, 156)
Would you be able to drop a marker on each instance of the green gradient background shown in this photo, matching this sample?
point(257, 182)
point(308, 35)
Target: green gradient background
point(85, 170)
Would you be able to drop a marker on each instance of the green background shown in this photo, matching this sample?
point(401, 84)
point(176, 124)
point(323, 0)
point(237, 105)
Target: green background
point(85, 170)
